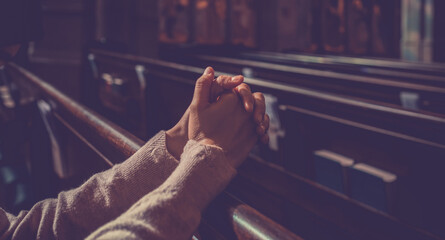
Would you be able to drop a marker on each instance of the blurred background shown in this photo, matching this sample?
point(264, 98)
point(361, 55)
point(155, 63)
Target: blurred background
point(409, 30)
point(355, 90)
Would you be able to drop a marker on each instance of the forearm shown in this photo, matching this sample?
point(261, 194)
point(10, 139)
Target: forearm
point(173, 211)
point(106, 195)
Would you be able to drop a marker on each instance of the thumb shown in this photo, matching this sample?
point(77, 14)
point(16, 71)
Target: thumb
point(201, 97)
point(222, 84)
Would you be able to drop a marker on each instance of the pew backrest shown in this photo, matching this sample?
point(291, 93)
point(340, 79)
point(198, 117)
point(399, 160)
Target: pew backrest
point(411, 90)
point(374, 133)
point(351, 63)
point(120, 92)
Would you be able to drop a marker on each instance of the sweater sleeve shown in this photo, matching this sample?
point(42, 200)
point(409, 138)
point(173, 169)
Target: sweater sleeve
point(103, 197)
point(173, 210)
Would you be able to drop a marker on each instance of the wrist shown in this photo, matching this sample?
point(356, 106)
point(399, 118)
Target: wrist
point(208, 142)
point(175, 140)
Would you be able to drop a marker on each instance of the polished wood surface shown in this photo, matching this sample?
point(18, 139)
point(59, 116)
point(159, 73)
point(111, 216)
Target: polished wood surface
point(376, 113)
point(282, 185)
point(348, 79)
point(113, 144)
point(338, 61)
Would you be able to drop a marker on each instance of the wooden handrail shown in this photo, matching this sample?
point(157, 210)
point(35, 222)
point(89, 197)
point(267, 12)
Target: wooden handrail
point(281, 87)
point(370, 62)
point(252, 183)
point(384, 116)
point(323, 74)
point(114, 144)
point(353, 67)
point(80, 120)
point(381, 85)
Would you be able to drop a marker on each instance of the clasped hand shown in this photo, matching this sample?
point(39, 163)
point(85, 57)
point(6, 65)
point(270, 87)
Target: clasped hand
point(223, 113)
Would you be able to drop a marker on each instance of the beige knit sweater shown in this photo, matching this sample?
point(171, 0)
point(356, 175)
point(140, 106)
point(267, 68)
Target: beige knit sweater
point(149, 196)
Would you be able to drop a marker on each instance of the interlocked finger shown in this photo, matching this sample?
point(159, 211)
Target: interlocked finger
point(247, 96)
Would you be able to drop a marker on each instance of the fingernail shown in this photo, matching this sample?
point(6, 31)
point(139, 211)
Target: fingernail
point(248, 108)
point(208, 71)
point(236, 78)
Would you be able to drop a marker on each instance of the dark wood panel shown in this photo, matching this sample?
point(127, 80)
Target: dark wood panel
point(385, 28)
point(64, 75)
point(334, 25)
point(243, 22)
point(348, 27)
point(359, 26)
point(120, 93)
point(57, 57)
point(285, 25)
point(174, 21)
point(210, 21)
point(63, 6)
point(439, 35)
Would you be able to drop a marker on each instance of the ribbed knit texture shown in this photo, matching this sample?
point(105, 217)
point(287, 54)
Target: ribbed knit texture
point(149, 196)
point(173, 210)
point(105, 196)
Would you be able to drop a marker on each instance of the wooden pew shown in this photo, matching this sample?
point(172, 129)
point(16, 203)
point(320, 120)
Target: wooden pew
point(226, 218)
point(283, 185)
point(377, 125)
point(119, 94)
point(392, 87)
point(373, 66)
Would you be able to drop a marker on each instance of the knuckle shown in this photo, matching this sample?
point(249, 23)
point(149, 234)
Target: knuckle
point(219, 79)
point(256, 98)
point(204, 80)
point(228, 81)
point(261, 96)
point(193, 107)
point(259, 100)
point(244, 86)
point(244, 93)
